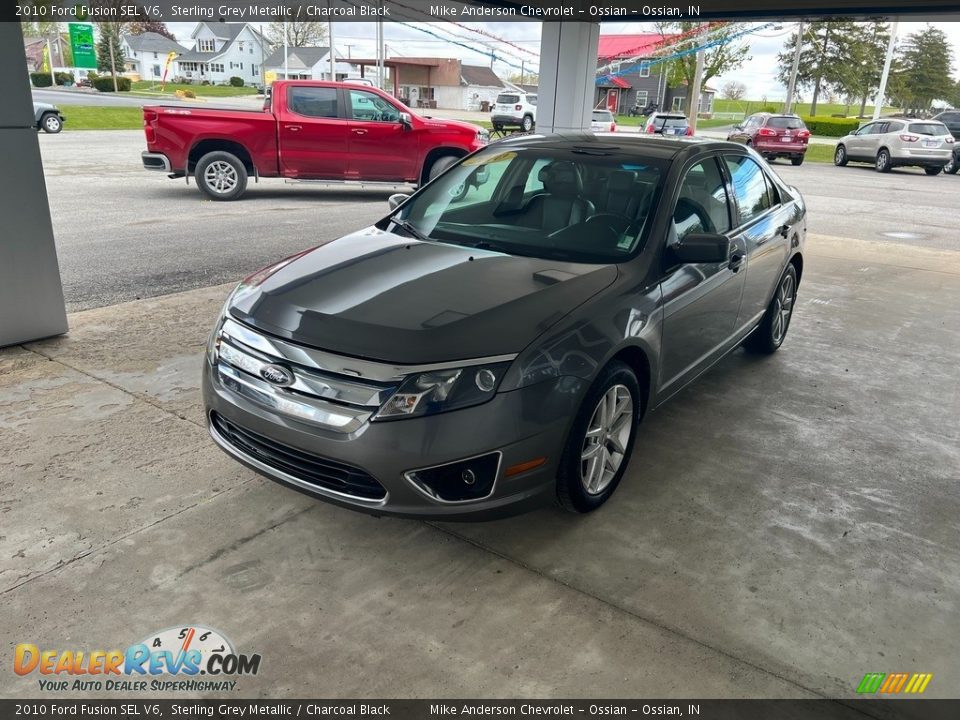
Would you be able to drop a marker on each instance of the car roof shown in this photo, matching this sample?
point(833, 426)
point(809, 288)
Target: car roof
point(623, 144)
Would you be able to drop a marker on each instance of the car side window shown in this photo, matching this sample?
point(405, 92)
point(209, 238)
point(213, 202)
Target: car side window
point(749, 186)
point(880, 128)
point(370, 106)
point(866, 129)
point(312, 101)
point(702, 205)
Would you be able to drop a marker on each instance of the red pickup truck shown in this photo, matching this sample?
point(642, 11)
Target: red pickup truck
point(307, 130)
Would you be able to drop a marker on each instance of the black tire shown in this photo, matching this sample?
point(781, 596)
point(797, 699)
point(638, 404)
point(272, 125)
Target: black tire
point(571, 492)
point(439, 165)
point(768, 337)
point(797, 161)
point(933, 170)
point(51, 123)
point(840, 157)
point(527, 123)
point(882, 163)
point(221, 175)
point(952, 167)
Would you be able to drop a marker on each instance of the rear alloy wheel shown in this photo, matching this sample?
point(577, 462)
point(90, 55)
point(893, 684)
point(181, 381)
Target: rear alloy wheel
point(51, 123)
point(527, 123)
point(840, 156)
point(769, 335)
point(952, 167)
point(936, 170)
point(600, 441)
point(796, 160)
point(883, 161)
point(221, 175)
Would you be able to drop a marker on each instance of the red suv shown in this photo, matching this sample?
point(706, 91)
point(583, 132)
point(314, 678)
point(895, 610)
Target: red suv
point(774, 136)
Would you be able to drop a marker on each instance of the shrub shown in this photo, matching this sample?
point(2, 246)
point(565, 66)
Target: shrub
point(769, 109)
point(40, 79)
point(204, 82)
point(189, 94)
point(104, 83)
point(236, 81)
point(65, 78)
point(831, 127)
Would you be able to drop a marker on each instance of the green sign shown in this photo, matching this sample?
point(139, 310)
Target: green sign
point(81, 42)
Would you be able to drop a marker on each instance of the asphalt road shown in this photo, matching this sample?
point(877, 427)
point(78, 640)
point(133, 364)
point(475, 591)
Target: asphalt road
point(125, 233)
point(64, 97)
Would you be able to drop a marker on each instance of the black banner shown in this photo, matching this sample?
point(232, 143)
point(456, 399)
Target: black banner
point(142, 709)
point(461, 11)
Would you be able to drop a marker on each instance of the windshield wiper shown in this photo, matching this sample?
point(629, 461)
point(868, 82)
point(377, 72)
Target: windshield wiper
point(410, 228)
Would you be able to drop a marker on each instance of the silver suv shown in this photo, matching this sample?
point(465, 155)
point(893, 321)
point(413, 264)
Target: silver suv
point(514, 109)
point(893, 142)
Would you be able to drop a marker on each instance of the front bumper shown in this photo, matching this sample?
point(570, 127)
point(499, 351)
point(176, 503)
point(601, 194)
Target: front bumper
point(520, 425)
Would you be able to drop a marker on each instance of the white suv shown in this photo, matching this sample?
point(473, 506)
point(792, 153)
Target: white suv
point(514, 109)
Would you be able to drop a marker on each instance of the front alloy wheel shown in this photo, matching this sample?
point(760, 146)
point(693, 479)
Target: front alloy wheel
point(769, 335)
point(51, 123)
point(840, 156)
point(601, 440)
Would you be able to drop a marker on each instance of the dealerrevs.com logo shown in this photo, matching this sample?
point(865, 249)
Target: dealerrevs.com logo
point(188, 658)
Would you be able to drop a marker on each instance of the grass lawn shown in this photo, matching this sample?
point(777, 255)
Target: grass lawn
point(199, 90)
point(746, 107)
point(101, 117)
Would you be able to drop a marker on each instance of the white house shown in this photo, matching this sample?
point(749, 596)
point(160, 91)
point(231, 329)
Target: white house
point(307, 63)
point(146, 55)
point(222, 50)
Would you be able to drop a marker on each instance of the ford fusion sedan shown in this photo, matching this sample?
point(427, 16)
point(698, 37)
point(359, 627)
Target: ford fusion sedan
point(493, 343)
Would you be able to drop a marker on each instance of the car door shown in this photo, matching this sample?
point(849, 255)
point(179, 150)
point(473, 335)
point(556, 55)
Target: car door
point(739, 133)
point(701, 301)
point(855, 143)
point(312, 133)
point(381, 146)
point(762, 227)
point(870, 141)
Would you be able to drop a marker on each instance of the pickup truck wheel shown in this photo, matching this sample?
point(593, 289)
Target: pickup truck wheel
point(51, 123)
point(439, 165)
point(221, 175)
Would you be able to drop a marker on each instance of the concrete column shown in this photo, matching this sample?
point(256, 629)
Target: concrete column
point(31, 296)
point(568, 68)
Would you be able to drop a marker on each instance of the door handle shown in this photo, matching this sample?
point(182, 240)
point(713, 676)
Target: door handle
point(359, 131)
point(292, 128)
point(783, 231)
point(736, 260)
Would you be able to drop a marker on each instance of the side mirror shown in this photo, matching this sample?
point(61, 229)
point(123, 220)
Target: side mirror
point(407, 119)
point(702, 248)
point(395, 200)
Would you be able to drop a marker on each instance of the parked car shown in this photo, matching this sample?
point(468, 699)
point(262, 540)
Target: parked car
point(774, 136)
point(48, 118)
point(953, 165)
point(891, 142)
point(308, 130)
point(514, 109)
point(950, 118)
point(664, 123)
point(603, 121)
point(475, 355)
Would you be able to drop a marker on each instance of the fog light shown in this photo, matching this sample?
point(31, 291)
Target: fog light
point(461, 481)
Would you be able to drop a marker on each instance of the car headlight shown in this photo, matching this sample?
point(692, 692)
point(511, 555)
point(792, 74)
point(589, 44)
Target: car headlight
point(439, 391)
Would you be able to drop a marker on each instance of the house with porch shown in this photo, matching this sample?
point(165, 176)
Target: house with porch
point(628, 75)
point(221, 50)
point(307, 63)
point(145, 55)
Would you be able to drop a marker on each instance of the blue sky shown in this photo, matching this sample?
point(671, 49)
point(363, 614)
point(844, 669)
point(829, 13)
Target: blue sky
point(759, 74)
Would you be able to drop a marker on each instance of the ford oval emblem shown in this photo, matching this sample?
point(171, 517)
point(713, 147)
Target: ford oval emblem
point(277, 375)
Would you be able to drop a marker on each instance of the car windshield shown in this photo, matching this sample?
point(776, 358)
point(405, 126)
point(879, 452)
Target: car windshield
point(785, 123)
point(587, 204)
point(507, 99)
point(602, 116)
point(928, 128)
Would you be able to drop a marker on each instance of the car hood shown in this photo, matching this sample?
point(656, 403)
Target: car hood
point(377, 295)
point(443, 125)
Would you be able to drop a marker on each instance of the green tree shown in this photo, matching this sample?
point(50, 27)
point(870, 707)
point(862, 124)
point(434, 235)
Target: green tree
point(154, 26)
point(923, 70)
point(724, 57)
point(826, 55)
point(868, 49)
point(110, 37)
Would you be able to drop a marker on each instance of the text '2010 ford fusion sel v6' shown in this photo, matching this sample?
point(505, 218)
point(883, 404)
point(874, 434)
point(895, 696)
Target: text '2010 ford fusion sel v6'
point(493, 343)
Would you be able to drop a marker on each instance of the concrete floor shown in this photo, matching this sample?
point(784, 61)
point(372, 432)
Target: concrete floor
point(786, 525)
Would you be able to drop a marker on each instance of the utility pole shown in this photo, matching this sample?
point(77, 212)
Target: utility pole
point(263, 57)
point(333, 60)
point(286, 53)
point(113, 66)
point(693, 102)
point(53, 75)
point(882, 91)
point(792, 86)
